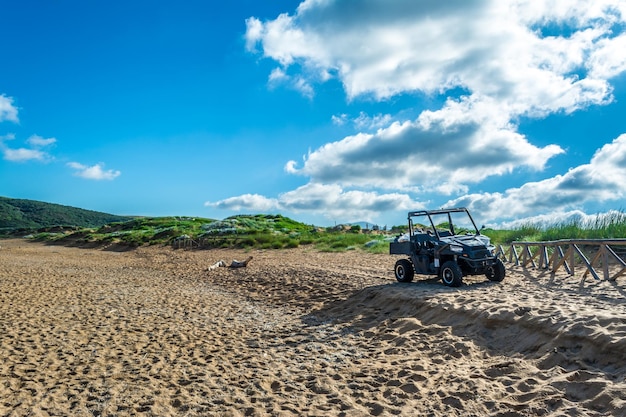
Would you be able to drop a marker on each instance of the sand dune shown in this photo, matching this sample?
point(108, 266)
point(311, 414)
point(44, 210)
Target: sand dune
point(155, 332)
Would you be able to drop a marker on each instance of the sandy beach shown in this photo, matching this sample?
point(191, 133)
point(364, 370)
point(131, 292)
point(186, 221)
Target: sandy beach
point(154, 332)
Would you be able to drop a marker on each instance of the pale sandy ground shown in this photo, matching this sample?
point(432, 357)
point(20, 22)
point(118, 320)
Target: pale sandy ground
point(86, 332)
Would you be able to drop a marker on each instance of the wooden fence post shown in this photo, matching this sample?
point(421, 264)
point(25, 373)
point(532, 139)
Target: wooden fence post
point(558, 258)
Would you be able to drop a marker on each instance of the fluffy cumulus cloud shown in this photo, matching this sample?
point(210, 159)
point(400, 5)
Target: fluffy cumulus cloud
point(602, 179)
point(244, 202)
point(94, 172)
point(36, 149)
point(496, 61)
point(335, 202)
point(8, 111)
point(488, 47)
point(428, 154)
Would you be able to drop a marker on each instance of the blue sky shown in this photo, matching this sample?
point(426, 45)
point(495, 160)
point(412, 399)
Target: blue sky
point(324, 111)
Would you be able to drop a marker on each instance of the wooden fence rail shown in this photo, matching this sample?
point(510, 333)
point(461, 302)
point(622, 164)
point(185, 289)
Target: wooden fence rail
point(185, 242)
point(606, 256)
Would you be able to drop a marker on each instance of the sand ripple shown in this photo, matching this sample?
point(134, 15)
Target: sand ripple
point(153, 332)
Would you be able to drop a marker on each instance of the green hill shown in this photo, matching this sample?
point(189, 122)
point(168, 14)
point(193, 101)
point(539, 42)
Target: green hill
point(72, 226)
point(30, 214)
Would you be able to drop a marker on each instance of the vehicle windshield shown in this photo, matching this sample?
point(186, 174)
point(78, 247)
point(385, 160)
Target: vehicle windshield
point(448, 224)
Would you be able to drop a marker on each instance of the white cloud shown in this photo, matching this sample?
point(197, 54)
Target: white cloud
point(367, 122)
point(602, 179)
point(279, 77)
point(34, 153)
point(340, 119)
point(438, 151)
point(331, 200)
point(38, 145)
point(363, 121)
point(490, 48)
point(609, 59)
point(94, 172)
point(254, 32)
point(8, 111)
point(23, 155)
point(282, 39)
point(40, 142)
point(254, 202)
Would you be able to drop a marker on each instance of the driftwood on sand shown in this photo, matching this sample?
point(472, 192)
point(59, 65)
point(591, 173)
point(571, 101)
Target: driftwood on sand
point(240, 264)
point(216, 265)
point(234, 264)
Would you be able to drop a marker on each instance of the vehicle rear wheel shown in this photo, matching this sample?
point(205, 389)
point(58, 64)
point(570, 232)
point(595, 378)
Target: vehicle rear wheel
point(404, 270)
point(451, 275)
point(496, 272)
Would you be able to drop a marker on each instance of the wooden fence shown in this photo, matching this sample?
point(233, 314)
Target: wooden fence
point(185, 242)
point(602, 258)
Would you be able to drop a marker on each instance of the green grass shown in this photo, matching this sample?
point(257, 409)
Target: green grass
point(603, 226)
point(523, 233)
point(150, 230)
point(244, 231)
point(278, 232)
point(609, 226)
point(337, 241)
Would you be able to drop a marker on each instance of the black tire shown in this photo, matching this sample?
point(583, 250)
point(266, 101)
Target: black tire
point(404, 270)
point(450, 274)
point(496, 272)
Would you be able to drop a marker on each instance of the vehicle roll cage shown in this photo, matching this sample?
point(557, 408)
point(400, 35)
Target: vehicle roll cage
point(429, 213)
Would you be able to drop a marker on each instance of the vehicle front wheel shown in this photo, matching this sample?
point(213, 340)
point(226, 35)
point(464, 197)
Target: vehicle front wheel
point(404, 270)
point(496, 272)
point(451, 275)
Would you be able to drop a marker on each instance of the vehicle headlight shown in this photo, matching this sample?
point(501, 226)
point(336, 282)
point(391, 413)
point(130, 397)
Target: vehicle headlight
point(456, 248)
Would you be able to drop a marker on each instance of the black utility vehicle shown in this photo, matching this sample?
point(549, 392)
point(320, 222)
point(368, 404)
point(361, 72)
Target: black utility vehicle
point(445, 243)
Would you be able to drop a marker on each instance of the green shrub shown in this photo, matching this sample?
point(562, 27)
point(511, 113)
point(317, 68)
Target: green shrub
point(292, 243)
point(380, 246)
point(248, 241)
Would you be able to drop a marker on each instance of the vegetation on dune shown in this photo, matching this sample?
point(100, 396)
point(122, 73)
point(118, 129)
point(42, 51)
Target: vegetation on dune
point(610, 225)
point(73, 226)
point(148, 230)
point(242, 231)
point(278, 232)
point(68, 225)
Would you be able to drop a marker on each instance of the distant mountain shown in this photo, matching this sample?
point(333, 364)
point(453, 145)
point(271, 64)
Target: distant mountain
point(30, 214)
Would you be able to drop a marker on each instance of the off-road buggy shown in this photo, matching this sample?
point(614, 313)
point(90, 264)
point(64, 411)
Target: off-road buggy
point(445, 243)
